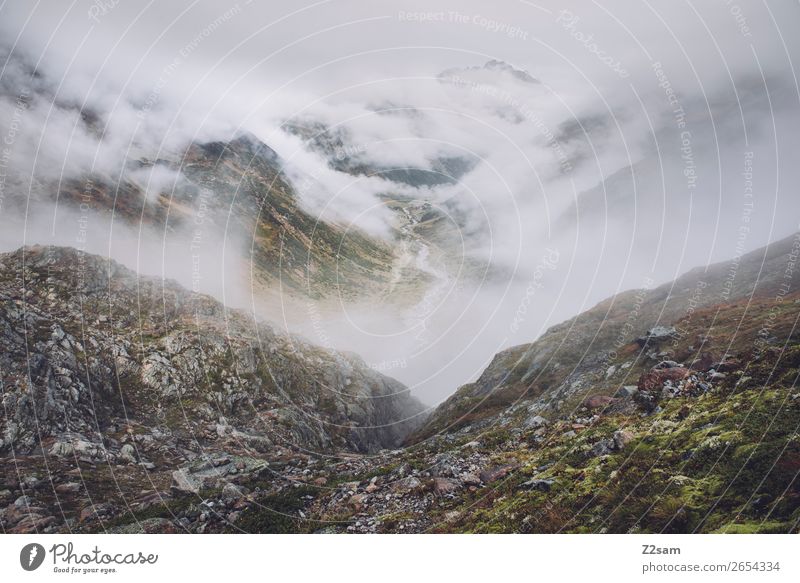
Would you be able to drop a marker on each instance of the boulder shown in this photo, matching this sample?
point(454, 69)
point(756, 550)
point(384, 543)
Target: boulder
point(444, 486)
point(542, 485)
point(655, 379)
point(535, 422)
point(128, 453)
point(622, 438)
point(658, 334)
point(183, 481)
point(495, 473)
point(666, 364)
point(597, 401)
point(626, 391)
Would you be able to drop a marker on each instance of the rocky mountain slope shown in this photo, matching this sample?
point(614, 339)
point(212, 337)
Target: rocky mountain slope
point(238, 189)
point(109, 369)
point(595, 352)
point(667, 410)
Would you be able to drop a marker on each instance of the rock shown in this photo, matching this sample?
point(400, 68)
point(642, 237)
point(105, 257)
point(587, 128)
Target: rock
point(495, 473)
point(470, 479)
point(655, 379)
point(68, 488)
point(542, 485)
point(602, 447)
point(231, 492)
point(535, 422)
point(717, 376)
point(444, 486)
point(357, 502)
point(128, 453)
point(666, 364)
point(182, 481)
point(626, 391)
point(728, 365)
point(61, 449)
point(597, 401)
point(406, 484)
point(658, 334)
point(622, 438)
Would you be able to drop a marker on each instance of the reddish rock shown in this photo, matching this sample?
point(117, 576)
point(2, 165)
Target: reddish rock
point(357, 502)
point(597, 401)
point(442, 486)
point(496, 473)
point(656, 378)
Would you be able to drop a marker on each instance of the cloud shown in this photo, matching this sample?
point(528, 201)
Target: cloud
point(627, 176)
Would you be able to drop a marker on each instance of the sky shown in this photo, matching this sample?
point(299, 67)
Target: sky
point(649, 138)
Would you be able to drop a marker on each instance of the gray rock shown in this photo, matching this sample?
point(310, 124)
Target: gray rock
point(128, 453)
point(542, 485)
point(626, 391)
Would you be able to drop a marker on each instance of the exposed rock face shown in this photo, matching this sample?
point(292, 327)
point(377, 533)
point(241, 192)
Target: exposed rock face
point(86, 345)
point(607, 346)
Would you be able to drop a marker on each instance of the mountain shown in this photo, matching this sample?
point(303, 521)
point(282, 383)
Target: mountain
point(106, 372)
point(239, 189)
point(595, 350)
point(344, 154)
point(666, 410)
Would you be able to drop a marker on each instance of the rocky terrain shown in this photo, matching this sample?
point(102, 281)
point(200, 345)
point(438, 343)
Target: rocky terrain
point(114, 383)
point(673, 409)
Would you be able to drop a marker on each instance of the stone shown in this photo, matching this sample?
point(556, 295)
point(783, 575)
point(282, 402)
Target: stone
point(597, 401)
point(495, 473)
point(602, 447)
point(68, 488)
point(231, 492)
point(470, 479)
point(357, 502)
point(655, 379)
point(666, 364)
point(128, 453)
point(444, 486)
point(622, 438)
point(658, 334)
point(626, 391)
point(542, 485)
point(182, 481)
point(535, 422)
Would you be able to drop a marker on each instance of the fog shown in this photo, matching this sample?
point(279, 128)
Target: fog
point(616, 143)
